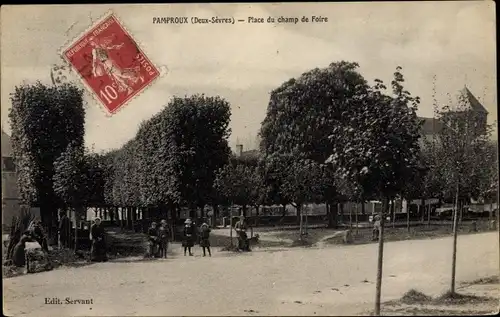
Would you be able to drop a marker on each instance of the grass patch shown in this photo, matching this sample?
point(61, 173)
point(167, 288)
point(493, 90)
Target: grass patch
point(450, 298)
point(484, 281)
point(301, 243)
point(415, 297)
point(229, 248)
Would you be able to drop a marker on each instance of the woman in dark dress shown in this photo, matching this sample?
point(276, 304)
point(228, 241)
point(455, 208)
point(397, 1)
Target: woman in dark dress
point(153, 240)
point(98, 251)
point(188, 241)
point(19, 253)
point(205, 239)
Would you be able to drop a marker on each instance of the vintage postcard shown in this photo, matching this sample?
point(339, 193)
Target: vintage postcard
point(270, 159)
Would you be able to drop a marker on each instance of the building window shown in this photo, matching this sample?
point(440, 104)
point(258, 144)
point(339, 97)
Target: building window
point(8, 164)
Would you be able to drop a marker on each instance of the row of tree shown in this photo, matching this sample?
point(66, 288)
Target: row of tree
point(328, 137)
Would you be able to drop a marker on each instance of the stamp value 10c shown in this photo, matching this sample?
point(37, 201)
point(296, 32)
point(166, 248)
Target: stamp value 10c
point(110, 63)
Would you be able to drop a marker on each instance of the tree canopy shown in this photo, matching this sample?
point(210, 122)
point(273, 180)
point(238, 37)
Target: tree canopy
point(44, 121)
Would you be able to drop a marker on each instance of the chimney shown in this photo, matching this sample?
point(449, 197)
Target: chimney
point(239, 149)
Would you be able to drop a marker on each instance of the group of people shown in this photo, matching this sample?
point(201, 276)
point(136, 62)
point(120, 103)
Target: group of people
point(159, 238)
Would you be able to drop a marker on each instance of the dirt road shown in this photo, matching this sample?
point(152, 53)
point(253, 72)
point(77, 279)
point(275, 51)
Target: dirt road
point(336, 280)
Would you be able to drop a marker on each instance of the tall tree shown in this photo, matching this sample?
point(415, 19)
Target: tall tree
point(240, 183)
point(70, 177)
point(302, 184)
point(378, 149)
point(44, 121)
point(301, 116)
point(463, 140)
point(199, 129)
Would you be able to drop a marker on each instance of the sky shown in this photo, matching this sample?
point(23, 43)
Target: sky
point(453, 42)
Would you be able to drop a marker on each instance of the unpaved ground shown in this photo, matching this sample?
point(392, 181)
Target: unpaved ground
point(335, 280)
point(477, 298)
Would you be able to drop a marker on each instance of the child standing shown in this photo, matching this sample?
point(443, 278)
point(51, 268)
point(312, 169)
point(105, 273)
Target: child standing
point(163, 233)
point(189, 233)
point(205, 239)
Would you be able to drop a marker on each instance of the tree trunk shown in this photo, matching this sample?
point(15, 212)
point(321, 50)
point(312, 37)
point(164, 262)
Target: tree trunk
point(380, 260)
point(299, 213)
point(306, 222)
point(455, 232)
point(231, 226)
point(134, 218)
point(490, 215)
point(257, 216)
point(332, 215)
point(429, 216)
point(408, 217)
point(422, 208)
point(341, 209)
point(363, 211)
point(460, 213)
point(215, 214)
point(356, 215)
point(122, 217)
point(393, 213)
point(350, 216)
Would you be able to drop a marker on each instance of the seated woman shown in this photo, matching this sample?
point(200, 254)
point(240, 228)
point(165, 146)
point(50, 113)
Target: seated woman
point(37, 233)
point(19, 253)
point(98, 249)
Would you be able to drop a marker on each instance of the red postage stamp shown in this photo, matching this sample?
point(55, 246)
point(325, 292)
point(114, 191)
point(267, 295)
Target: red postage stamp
point(110, 63)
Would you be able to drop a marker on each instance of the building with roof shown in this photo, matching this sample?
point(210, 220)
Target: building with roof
point(469, 102)
point(10, 192)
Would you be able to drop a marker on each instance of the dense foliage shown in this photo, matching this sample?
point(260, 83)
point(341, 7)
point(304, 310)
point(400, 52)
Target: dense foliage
point(44, 121)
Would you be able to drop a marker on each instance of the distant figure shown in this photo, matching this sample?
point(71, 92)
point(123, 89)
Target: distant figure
point(163, 235)
point(241, 229)
point(36, 231)
point(376, 228)
point(205, 239)
point(98, 249)
point(188, 241)
point(64, 230)
point(153, 240)
point(19, 254)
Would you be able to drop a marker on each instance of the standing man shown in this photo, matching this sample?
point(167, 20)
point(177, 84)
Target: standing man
point(241, 230)
point(64, 230)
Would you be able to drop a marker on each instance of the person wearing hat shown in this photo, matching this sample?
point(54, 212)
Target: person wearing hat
point(153, 240)
point(163, 235)
point(241, 230)
point(205, 238)
point(189, 232)
point(98, 249)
